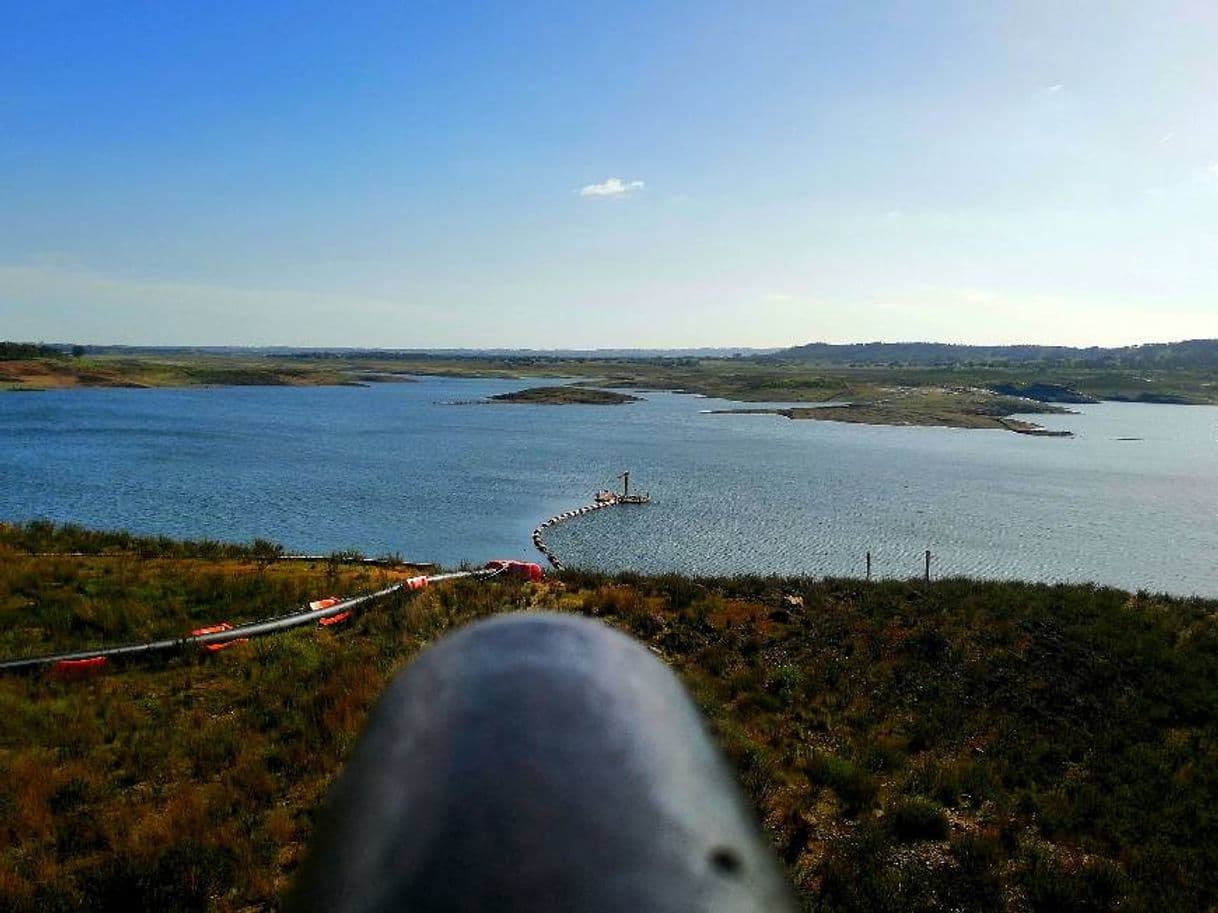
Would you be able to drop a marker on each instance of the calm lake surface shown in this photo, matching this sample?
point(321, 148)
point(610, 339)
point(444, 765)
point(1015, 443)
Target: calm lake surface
point(392, 468)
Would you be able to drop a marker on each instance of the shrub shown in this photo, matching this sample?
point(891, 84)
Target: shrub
point(1052, 888)
point(918, 818)
point(853, 785)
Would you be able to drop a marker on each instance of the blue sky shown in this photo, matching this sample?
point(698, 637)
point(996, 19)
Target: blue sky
point(627, 174)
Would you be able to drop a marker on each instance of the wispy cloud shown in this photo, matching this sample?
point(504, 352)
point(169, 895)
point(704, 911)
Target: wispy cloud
point(611, 187)
point(777, 297)
point(1054, 89)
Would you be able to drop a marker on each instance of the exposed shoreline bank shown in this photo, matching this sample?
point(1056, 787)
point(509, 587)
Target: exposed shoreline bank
point(961, 396)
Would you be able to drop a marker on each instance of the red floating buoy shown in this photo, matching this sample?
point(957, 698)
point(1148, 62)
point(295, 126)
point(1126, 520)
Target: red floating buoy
point(525, 569)
point(333, 619)
point(75, 669)
point(217, 629)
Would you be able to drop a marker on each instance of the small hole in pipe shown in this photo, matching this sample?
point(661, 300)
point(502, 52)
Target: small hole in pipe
point(725, 860)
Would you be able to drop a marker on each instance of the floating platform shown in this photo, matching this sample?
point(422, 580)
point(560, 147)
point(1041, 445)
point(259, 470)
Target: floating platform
point(611, 497)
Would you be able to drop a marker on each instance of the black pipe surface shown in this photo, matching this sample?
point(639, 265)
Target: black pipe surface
point(537, 762)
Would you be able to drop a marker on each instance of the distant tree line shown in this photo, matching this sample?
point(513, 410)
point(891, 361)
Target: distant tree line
point(19, 351)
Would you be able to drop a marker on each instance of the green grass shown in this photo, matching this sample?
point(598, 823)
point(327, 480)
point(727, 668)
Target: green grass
point(917, 818)
point(566, 395)
point(955, 746)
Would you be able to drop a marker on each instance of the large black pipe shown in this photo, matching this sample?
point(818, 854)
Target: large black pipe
point(537, 762)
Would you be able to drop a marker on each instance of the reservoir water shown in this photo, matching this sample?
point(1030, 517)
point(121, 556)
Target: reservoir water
point(395, 468)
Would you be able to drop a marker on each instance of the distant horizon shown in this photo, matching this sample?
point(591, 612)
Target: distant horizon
point(220, 347)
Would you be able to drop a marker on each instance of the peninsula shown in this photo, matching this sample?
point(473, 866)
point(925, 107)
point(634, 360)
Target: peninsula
point(929, 406)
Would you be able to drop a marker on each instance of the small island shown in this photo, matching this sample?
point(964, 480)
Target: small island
point(566, 396)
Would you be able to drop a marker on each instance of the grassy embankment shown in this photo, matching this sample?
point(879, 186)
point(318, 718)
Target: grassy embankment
point(958, 746)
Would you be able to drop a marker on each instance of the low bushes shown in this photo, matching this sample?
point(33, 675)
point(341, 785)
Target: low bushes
point(1068, 734)
point(917, 818)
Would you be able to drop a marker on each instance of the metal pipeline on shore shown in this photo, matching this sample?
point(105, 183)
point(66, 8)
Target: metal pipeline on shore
point(218, 635)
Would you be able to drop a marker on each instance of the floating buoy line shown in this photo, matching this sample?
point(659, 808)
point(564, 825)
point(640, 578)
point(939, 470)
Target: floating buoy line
point(539, 541)
point(601, 500)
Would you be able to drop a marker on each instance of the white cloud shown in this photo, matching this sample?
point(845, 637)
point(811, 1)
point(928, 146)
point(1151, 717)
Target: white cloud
point(777, 297)
point(1054, 89)
point(610, 187)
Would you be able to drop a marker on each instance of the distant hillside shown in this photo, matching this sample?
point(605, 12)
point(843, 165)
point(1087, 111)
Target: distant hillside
point(1195, 354)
